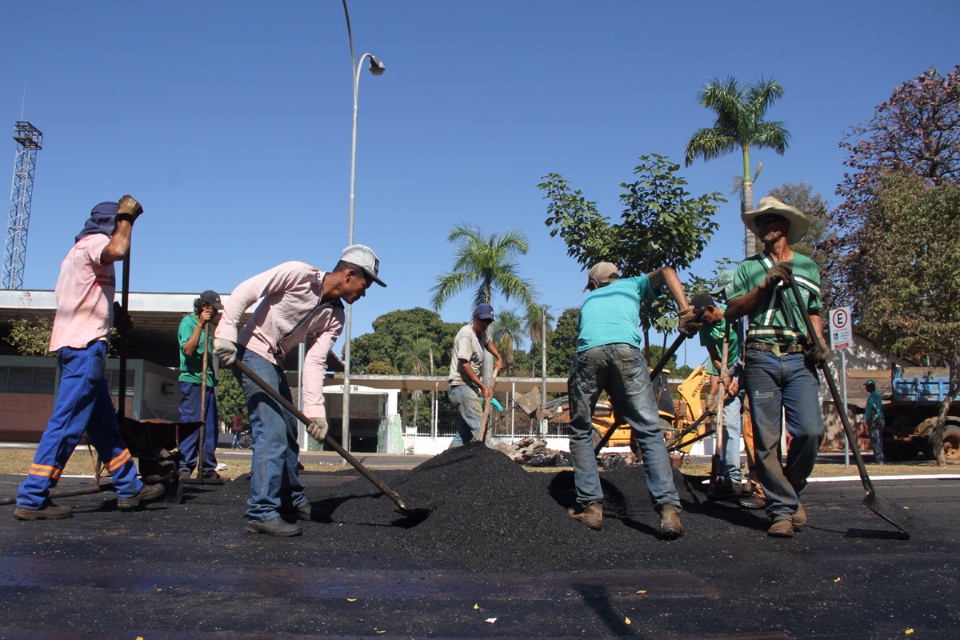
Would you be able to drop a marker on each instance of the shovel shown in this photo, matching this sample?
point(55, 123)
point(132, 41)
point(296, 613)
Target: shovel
point(486, 410)
point(870, 500)
point(414, 514)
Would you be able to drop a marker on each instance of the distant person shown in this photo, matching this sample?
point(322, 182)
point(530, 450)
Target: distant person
point(780, 358)
point(875, 422)
point(465, 388)
point(193, 338)
point(609, 358)
point(236, 426)
point(81, 329)
point(716, 334)
point(299, 303)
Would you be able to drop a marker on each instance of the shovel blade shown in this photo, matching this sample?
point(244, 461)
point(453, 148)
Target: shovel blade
point(870, 502)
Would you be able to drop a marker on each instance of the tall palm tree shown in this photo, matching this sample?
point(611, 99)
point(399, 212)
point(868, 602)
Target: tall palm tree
point(740, 110)
point(508, 335)
point(416, 358)
point(484, 263)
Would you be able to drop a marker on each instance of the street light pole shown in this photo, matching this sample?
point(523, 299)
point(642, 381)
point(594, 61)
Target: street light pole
point(376, 68)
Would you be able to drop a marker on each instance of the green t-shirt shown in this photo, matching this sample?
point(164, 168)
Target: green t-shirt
point(191, 366)
point(874, 406)
point(768, 323)
point(712, 335)
point(611, 314)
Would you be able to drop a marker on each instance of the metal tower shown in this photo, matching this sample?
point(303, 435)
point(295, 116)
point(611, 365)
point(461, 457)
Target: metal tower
point(30, 140)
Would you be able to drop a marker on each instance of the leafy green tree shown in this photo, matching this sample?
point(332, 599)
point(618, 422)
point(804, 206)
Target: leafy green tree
point(485, 264)
point(230, 399)
point(562, 344)
point(507, 331)
point(907, 285)
point(740, 110)
point(661, 225)
point(395, 333)
point(31, 336)
point(380, 368)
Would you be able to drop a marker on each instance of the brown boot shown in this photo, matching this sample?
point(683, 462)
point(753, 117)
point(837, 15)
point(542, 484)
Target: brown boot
point(800, 518)
point(782, 528)
point(591, 514)
point(670, 525)
point(48, 511)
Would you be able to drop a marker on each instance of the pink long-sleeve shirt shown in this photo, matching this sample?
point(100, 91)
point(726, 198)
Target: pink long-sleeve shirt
point(290, 312)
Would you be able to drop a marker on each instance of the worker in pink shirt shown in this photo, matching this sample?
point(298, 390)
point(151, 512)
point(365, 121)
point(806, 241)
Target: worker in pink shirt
point(81, 328)
point(299, 303)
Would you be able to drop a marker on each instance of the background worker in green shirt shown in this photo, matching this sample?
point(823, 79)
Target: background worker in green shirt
point(192, 336)
point(715, 332)
point(780, 359)
point(874, 418)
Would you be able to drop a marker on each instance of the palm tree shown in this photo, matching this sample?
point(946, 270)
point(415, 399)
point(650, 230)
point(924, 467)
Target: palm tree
point(416, 358)
point(740, 109)
point(486, 264)
point(508, 335)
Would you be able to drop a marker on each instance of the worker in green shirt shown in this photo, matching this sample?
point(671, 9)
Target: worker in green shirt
point(873, 414)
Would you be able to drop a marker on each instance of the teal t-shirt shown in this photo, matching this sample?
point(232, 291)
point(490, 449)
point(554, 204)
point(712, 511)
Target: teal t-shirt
point(712, 335)
point(874, 406)
point(611, 314)
point(191, 366)
point(768, 322)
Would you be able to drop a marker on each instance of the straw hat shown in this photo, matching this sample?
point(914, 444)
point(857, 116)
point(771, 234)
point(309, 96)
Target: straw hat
point(799, 223)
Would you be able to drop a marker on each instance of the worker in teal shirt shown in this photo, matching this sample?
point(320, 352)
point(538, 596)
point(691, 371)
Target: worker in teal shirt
point(873, 415)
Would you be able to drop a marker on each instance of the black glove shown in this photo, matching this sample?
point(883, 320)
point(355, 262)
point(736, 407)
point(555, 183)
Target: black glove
point(129, 209)
point(780, 272)
point(817, 352)
point(690, 322)
point(122, 321)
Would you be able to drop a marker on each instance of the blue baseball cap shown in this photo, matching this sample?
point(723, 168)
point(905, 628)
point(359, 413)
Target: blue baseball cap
point(483, 312)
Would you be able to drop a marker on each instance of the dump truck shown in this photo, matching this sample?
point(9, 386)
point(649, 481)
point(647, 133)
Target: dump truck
point(910, 413)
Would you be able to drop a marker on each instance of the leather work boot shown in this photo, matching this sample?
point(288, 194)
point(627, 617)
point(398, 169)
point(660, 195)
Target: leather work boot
point(275, 527)
point(670, 525)
point(800, 518)
point(48, 511)
point(782, 528)
point(147, 493)
point(306, 512)
point(590, 515)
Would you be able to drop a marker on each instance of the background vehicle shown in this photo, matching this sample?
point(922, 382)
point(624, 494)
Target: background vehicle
point(910, 414)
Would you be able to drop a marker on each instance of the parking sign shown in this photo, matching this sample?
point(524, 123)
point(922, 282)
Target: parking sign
point(841, 329)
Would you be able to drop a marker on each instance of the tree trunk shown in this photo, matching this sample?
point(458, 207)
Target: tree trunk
point(746, 204)
point(937, 441)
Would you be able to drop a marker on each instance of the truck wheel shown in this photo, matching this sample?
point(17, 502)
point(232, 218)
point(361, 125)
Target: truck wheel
point(951, 442)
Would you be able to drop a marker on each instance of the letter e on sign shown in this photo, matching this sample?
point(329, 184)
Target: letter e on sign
point(841, 328)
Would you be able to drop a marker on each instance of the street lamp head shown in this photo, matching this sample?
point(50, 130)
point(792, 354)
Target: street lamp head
point(376, 67)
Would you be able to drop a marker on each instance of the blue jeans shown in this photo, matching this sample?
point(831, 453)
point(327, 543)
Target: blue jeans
point(83, 403)
point(876, 437)
point(620, 370)
point(190, 396)
point(467, 402)
point(732, 430)
point(274, 481)
point(781, 386)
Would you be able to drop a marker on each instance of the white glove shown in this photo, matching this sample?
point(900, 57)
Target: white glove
point(226, 351)
point(318, 428)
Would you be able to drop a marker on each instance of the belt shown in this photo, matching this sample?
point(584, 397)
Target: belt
point(776, 348)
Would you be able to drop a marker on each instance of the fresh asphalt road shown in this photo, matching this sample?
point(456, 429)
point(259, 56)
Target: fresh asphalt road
point(190, 571)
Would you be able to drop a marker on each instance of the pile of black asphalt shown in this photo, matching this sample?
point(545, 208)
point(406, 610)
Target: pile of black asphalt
point(497, 556)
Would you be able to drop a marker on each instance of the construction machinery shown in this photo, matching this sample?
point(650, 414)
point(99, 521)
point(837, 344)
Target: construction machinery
point(910, 414)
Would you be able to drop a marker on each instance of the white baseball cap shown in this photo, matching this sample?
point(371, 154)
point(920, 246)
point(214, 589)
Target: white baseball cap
point(364, 257)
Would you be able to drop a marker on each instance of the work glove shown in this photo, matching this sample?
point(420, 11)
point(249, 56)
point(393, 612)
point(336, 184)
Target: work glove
point(780, 272)
point(690, 322)
point(817, 352)
point(318, 428)
point(122, 321)
point(129, 209)
point(226, 351)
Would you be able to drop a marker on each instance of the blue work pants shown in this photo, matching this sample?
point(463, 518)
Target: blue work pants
point(274, 480)
point(470, 411)
point(620, 370)
point(783, 386)
point(732, 431)
point(190, 397)
point(83, 404)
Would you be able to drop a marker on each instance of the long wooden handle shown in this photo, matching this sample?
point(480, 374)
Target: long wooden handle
point(486, 410)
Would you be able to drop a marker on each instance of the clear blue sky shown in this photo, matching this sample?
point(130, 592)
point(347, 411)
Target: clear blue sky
point(231, 122)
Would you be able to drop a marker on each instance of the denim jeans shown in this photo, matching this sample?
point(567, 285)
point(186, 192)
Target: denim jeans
point(620, 370)
point(83, 403)
point(781, 386)
point(467, 402)
point(876, 438)
point(274, 481)
point(732, 430)
point(190, 397)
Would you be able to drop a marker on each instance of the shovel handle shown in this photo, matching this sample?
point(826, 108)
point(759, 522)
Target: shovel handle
point(486, 410)
point(835, 392)
point(330, 442)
